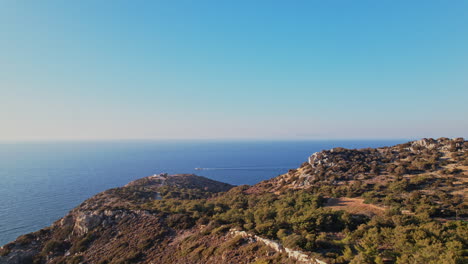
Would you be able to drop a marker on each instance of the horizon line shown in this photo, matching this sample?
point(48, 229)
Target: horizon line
point(207, 139)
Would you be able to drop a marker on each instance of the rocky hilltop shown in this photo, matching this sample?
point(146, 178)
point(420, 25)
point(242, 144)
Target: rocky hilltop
point(398, 204)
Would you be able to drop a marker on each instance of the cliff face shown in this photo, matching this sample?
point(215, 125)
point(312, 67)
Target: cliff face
point(340, 206)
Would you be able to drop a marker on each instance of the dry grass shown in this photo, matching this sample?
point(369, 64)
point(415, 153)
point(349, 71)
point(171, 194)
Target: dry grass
point(354, 206)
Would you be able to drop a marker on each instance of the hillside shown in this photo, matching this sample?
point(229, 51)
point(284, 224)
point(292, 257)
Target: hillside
point(427, 176)
point(399, 204)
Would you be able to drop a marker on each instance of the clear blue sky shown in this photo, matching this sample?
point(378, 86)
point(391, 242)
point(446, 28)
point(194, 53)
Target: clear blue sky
point(233, 69)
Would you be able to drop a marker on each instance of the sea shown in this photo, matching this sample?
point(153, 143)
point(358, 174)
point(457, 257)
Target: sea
point(41, 181)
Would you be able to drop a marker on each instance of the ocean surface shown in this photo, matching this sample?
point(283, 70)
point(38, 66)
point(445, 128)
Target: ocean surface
point(41, 182)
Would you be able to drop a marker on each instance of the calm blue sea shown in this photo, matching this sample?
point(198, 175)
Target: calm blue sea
point(41, 182)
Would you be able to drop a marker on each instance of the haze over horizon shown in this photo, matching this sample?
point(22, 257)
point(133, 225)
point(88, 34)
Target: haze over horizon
point(93, 70)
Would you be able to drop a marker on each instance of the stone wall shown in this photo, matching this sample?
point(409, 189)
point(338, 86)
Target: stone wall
point(294, 254)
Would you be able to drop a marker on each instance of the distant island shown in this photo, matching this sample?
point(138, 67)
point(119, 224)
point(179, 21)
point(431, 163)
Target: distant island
point(398, 204)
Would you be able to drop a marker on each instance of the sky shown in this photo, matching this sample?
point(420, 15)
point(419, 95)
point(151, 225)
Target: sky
point(292, 70)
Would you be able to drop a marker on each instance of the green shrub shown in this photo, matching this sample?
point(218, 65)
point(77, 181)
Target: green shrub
point(25, 239)
point(145, 244)
point(234, 242)
point(83, 244)
point(294, 241)
point(180, 221)
point(75, 260)
point(53, 246)
point(4, 251)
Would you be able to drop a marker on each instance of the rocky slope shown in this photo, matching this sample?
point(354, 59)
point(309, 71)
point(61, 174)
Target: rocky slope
point(111, 222)
point(399, 204)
